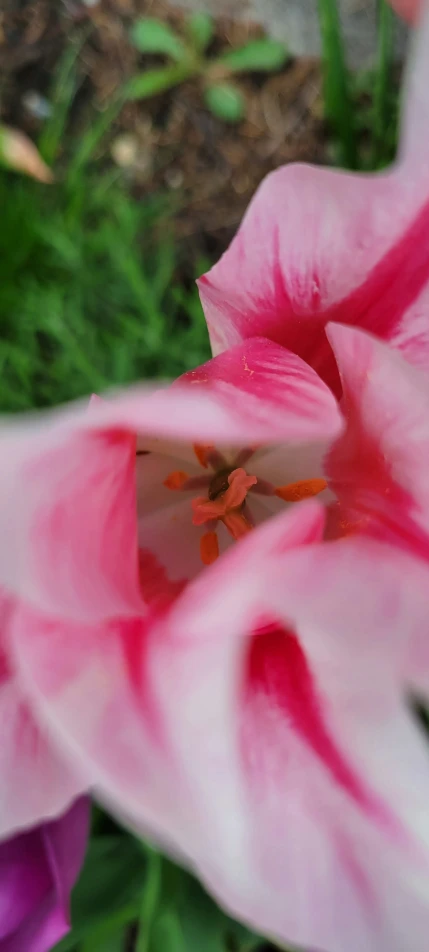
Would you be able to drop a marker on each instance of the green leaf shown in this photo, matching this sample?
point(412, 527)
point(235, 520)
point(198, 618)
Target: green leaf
point(149, 35)
point(338, 104)
point(225, 101)
point(201, 29)
point(115, 942)
point(188, 920)
point(150, 900)
point(107, 894)
point(155, 81)
point(167, 935)
point(264, 55)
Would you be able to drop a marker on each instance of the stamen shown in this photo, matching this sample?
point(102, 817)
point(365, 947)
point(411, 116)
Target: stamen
point(196, 482)
point(209, 548)
point(244, 455)
point(216, 460)
point(201, 451)
point(302, 489)
point(176, 479)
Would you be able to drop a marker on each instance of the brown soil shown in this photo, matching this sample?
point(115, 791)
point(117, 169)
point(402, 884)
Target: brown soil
point(171, 142)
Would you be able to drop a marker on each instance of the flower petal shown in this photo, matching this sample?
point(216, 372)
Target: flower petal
point(25, 879)
point(41, 932)
point(65, 843)
point(37, 871)
point(318, 246)
point(314, 797)
point(304, 811)
point(95, 683)
point(378, 467)
point(171, 538)
point(36, 783)
point(68, 515)
point(271, 389)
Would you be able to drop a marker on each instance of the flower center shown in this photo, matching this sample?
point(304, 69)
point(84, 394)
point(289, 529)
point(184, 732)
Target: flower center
point(227, 490)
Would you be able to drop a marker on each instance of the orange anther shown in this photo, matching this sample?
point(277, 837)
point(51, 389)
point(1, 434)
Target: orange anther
point(201, 452)
point(176, 479)
point(209, 548)
point(303, 489)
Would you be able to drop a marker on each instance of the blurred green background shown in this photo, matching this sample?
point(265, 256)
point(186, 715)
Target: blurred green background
point(158, 132)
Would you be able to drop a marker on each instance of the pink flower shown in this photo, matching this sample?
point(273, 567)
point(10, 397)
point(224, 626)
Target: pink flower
point(250, 712)
point(318, 245)
point(250, 715)
point(37, 871)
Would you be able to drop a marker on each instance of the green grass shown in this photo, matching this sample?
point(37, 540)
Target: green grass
point(362, 106)
point(338, 103)
point(385, 100)
point(89, 296)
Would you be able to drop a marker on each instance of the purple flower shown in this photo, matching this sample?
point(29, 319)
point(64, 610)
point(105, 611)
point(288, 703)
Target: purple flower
point(37, 871)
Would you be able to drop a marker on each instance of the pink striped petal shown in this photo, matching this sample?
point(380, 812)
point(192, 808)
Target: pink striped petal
point(267, 734)
point(312, 800)
point(271, 389)
point(36, 782)
point(318, 246)
point(95, 687)
point(378, 467)
point(68, 514)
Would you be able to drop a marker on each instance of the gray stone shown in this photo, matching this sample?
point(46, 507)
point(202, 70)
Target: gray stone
point(296, 22)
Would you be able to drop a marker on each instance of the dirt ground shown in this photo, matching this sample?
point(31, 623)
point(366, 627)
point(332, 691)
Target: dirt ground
point(170, 142)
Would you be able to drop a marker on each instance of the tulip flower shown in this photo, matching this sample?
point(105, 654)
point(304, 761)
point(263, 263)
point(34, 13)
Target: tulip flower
point(232, 664)
point(38, 868)
point(248, 711)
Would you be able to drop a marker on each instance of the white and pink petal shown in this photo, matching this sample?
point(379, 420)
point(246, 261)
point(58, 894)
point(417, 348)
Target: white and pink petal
point(378, 467)
point(37, 782)
point(261, 730)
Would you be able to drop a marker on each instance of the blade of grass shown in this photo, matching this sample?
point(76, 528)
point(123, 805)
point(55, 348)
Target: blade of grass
point(338, 105)
point(381, 110)
point(62, 95)
point(93, 137)
point(151, 895)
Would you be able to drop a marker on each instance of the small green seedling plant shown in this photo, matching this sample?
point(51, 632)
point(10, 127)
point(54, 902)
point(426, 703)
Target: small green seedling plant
point(188, 57)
